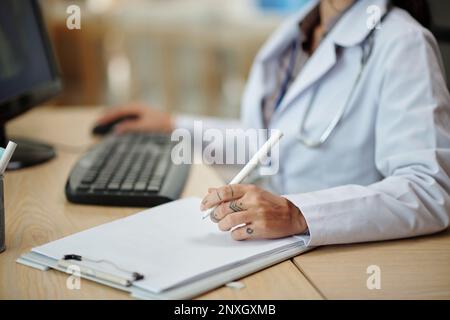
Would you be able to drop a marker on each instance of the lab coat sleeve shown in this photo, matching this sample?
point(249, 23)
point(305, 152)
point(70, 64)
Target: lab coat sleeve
point(412, 153)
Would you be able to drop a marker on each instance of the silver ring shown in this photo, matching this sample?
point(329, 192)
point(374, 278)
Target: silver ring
point(249, 231)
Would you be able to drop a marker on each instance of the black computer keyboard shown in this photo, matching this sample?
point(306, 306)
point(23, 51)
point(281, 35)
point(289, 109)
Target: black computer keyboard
point(128, 170)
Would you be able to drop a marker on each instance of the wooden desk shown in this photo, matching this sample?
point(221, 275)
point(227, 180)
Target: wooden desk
point(416, 268)
point(38, 212)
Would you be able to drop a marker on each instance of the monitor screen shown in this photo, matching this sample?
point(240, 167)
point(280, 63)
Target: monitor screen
point(26, 64)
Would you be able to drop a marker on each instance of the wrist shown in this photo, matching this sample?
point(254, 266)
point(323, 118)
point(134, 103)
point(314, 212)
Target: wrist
point(300, 225)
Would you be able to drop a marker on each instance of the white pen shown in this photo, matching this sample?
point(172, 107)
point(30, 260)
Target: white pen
point(6, 157)
point(253, 163)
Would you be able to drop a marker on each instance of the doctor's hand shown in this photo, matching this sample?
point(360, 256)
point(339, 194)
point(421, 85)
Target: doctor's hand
point(265, 215)
point(147, 119)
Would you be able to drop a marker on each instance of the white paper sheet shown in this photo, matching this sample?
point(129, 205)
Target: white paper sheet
point(169, 244)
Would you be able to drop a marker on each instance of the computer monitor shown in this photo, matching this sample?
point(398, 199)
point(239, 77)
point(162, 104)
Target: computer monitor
point(28, 73)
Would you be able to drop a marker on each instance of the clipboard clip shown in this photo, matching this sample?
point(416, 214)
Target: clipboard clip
point(126, 282)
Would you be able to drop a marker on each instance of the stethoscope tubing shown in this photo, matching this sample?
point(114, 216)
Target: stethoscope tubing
point(366, 49)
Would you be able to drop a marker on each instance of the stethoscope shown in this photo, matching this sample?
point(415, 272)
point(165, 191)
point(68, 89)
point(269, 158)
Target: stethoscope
point(367, 49)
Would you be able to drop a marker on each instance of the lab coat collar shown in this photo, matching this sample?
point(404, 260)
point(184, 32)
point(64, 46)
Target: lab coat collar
point(350, 30)
point(353, 28)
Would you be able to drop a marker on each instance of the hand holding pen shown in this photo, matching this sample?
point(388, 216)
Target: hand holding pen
point(250, 212)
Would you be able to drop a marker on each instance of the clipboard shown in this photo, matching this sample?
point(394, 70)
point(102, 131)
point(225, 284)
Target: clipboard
point(171, 282)
point(187, 291)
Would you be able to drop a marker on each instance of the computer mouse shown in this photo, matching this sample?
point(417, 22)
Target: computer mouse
point(103, 129)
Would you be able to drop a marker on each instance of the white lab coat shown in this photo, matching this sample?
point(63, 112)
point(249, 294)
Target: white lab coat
point(384, 173)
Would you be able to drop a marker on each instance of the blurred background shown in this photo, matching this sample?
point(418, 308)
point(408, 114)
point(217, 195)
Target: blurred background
point(184, 56)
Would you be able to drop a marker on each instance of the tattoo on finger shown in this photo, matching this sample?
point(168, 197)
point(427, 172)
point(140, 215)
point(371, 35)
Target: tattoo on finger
point(214, 217)
point(235, 207)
